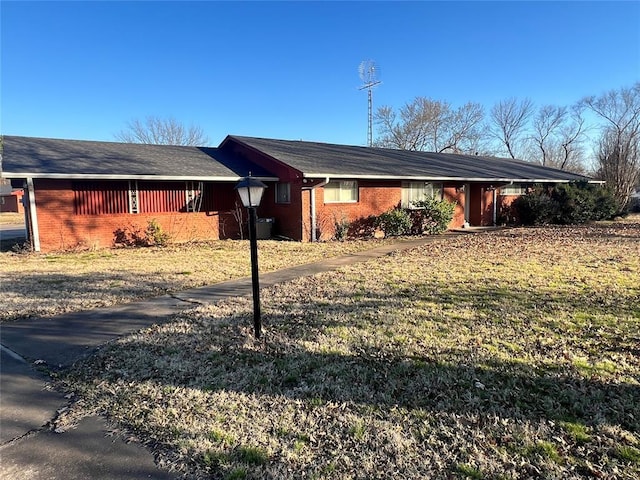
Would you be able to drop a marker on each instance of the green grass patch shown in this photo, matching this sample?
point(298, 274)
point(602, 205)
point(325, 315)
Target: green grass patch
point(546, 450)
point(252, 455)
point(469, 471)
point(577, 431)
point(628, 454)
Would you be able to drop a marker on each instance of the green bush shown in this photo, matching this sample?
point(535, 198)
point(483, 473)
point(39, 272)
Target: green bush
point(535, 207)
point(156, 235)
point(432, 216)
point(565, 204)
point(394, 222)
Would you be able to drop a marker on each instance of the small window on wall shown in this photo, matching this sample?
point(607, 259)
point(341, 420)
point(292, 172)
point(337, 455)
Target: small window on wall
point(513, 189)
point(283, 193)
point(413, 192)
point(342, 191)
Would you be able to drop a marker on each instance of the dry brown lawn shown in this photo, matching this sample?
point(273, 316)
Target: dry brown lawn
point(511, 354)
point(8, 218)
point(33, 285)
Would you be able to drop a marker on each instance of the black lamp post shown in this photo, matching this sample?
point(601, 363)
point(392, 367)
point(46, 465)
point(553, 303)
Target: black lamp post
point(250, 190)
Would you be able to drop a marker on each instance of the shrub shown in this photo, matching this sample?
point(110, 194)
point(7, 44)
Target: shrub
point(130, 236)
point(535, 207)
point(155, 235)
point(572, 203)
point(394, 222)
point(133, 236)
point(432, 216)
point(341, 228)
point(363, 227)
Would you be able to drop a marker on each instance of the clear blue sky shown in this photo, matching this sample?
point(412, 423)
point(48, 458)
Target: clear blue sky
point(289, 70)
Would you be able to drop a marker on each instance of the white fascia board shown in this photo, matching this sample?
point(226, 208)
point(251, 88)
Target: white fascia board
point(440, 179)
point(84, 176)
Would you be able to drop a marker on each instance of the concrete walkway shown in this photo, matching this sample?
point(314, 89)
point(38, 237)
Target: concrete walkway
point(29, 448)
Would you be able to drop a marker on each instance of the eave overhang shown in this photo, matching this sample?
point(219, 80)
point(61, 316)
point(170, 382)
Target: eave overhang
point(445, 179)
point(164, 178)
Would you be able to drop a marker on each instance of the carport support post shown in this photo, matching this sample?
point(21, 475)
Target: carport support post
point(32, 227)
point(255, 282)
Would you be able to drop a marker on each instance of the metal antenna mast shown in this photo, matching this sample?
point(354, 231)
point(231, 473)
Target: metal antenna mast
point(368, 71)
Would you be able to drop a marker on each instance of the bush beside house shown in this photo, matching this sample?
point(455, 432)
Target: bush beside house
point(565, 204)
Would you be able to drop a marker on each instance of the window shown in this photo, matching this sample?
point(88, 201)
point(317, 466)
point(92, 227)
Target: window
point(413, 192)
point(513, 189)
point(341, 191)
point(283, 193)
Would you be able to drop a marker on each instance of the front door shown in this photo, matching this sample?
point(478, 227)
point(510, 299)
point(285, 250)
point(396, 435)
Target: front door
point(479, 205)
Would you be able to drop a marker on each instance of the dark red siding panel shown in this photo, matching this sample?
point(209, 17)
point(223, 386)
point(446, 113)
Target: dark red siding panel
point(98, 198)
point(158, 197)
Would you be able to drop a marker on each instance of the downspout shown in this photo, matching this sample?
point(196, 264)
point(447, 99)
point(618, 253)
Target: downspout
point(467, 205)
point(495, 206)
point(33, 216)
point(314, 220)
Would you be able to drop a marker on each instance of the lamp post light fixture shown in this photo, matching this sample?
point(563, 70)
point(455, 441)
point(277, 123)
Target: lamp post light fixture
point(250, 190)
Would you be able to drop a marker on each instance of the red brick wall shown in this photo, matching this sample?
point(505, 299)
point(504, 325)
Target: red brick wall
point(374, 198)
point(60, 228)
point(288, 216)
point(455, 193)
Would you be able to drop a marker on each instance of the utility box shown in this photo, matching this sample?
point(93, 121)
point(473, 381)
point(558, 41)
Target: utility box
point(264, 228)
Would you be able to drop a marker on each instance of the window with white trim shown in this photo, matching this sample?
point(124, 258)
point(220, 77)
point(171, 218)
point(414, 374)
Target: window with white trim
point(413, 192)
point(283, 193)
point(341, 191)
point(513, 189)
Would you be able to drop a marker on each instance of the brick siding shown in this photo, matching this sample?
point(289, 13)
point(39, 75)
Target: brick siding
point(61, 228)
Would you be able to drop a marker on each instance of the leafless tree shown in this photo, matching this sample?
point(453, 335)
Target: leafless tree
point(618, 156)
point(557, 135)
point(429, 125)
point(508, 123)
point(162, 131)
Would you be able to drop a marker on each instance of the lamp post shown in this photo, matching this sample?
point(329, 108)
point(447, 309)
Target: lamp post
point(250, 190)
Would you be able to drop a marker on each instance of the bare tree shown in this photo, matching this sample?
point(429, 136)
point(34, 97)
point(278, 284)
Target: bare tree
point(426, 124)
point(162, 131)
point(618, 156)
point(557, 135)
point(508, 123)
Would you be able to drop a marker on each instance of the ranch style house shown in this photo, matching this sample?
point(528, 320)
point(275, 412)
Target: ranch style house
point(80, 192)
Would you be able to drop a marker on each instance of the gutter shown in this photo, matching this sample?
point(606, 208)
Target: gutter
point(85, 176)
point(448, 179)
point(314, 220)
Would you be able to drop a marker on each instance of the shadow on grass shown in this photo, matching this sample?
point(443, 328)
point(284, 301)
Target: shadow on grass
point(366, 373)
point(56, 293)
point(217, 355)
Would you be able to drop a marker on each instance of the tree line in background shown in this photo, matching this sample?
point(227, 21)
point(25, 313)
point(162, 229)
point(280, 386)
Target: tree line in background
point(550, 135)
point(555, 136)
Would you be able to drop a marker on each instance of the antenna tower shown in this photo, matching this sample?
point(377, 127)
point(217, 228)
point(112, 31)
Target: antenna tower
point(368, 71)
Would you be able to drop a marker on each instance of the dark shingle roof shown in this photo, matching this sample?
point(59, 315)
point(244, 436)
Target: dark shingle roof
point(328, 160)
point(42, 157)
